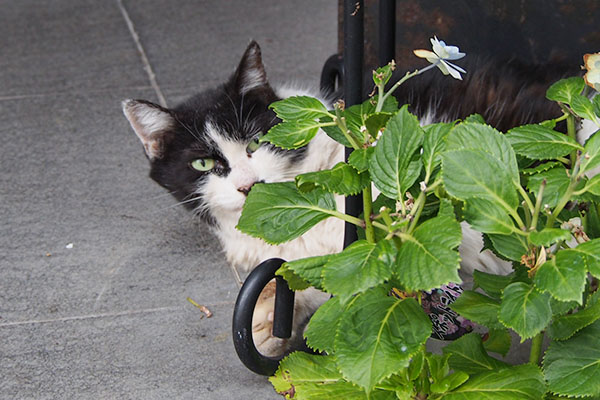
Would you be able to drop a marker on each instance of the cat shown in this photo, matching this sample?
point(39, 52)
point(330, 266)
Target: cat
point(205, 151)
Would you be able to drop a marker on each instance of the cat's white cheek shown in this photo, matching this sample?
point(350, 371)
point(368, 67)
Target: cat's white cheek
point(221, 195)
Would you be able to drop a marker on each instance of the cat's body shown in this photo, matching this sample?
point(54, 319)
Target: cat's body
point(205, 152)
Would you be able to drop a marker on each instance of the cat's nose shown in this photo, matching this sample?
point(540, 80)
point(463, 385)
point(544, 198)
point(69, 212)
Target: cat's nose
point(246, 189)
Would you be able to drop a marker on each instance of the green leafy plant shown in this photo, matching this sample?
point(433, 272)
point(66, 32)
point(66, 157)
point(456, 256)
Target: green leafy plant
point(526, 190)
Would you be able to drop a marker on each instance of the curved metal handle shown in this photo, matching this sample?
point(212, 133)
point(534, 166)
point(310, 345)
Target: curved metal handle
point(244, 308)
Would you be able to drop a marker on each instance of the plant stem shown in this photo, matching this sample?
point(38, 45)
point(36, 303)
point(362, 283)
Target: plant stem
point(538, 206)
point(536, 348)
point(341, 123)
point(572, 134)
point(367, 211)
point(406, 77)
point(525, 197)
point(415, 213)
point(348, 218)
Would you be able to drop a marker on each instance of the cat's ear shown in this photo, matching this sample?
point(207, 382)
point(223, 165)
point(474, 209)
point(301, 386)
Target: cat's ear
point(152, 123)
point(250, 73)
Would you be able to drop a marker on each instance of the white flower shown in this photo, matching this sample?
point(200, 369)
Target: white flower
point(592, 65)
point(440, 55)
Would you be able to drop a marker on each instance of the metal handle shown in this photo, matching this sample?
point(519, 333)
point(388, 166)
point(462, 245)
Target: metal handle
point(244, 309)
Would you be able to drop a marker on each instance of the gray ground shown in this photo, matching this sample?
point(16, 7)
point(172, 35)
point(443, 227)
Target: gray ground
point(108, 318)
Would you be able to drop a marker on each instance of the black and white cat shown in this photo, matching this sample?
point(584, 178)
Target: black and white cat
point(205, 151)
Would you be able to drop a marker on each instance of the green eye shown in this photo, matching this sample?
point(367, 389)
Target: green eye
point(203, 164)
point(253, 146)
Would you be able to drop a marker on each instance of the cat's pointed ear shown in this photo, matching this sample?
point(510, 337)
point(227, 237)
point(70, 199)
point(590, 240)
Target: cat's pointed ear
point(152, 123)
point(250, 73)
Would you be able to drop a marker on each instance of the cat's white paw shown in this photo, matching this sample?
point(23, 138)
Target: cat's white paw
point(262, 324)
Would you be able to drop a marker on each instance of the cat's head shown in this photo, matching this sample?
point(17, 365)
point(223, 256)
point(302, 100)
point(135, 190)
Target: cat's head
point(206, 151)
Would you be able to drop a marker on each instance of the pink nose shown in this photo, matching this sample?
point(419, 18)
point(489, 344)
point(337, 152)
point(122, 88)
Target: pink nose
point(246, 189)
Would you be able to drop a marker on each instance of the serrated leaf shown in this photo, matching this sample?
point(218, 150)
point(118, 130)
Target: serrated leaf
point(487, 216)
point(278, 212)
point(342, 179)
point(298, 108)
point(541, 168)
point(320, 331)
point(389, 164)
point(566, 326)
point(361, 266)
point(382, 75)
point(475, 136)
point(492, 284)
point(563, 276)
point(583, 107)
point(548, 236)
point(523, 382)
point(474, 173)
point(565, 89)
point(308, 269)
point(498, 341)
point(561, 307)
point(313, 376)
point(438, 365)
point(356, 116)
point(333, 131)
point(524, 309)
point(359, 158)
point(375, 122)
point(377, 336)
point(427, 259)
point(557, 182)
point(572, 367)
point(292, 134)
point(478, 308)
point(475, 118)
point(510, 246)
point(294, 281)
point(468, 355)
point(540, 143)
point(591, 252)
point(591, 153)
point(434, 144)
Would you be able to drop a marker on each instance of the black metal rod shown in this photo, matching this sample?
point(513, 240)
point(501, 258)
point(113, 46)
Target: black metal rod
point(353, 75)
point(387, 31)
point(242, 318)
point(283, 316)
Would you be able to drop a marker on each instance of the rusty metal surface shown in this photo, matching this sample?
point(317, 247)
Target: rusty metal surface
point(533, 30)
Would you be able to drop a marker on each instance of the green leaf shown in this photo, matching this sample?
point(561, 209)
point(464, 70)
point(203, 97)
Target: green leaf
point(475, 136)
point(294, 281)
point(474, 173)
point(540, 143)
point(375, 122)
point(523, 382)
point(377, 336)
point(292, 134)
point(449, 382)
point(541, 168)
point(382, 75)
point(468, 355)
point(320, 331)
point(361, 266)
point(475, 118)
point(278, 212)
point(563, 276)
point(565, 89)
point(548, 236)
point(438, 365)
point(492, 284)
point(357, 115)
point(487, 216)
point(359, 158)
point(298, 108)
point(478, 308)
point(341, 179)
point(591, 252)
point(524, 309)
point(566, 326)
point(434, 144)
point(591, 153)
point(427, 259)
point(334, 132)
point(584, 108)
point(557, 182)
point(393, 153)
point(572, 367)
point(561, 307)
point(307, 269)
point(593, 185)
point(510, 246)
point(498, 341)
point(313, 376)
